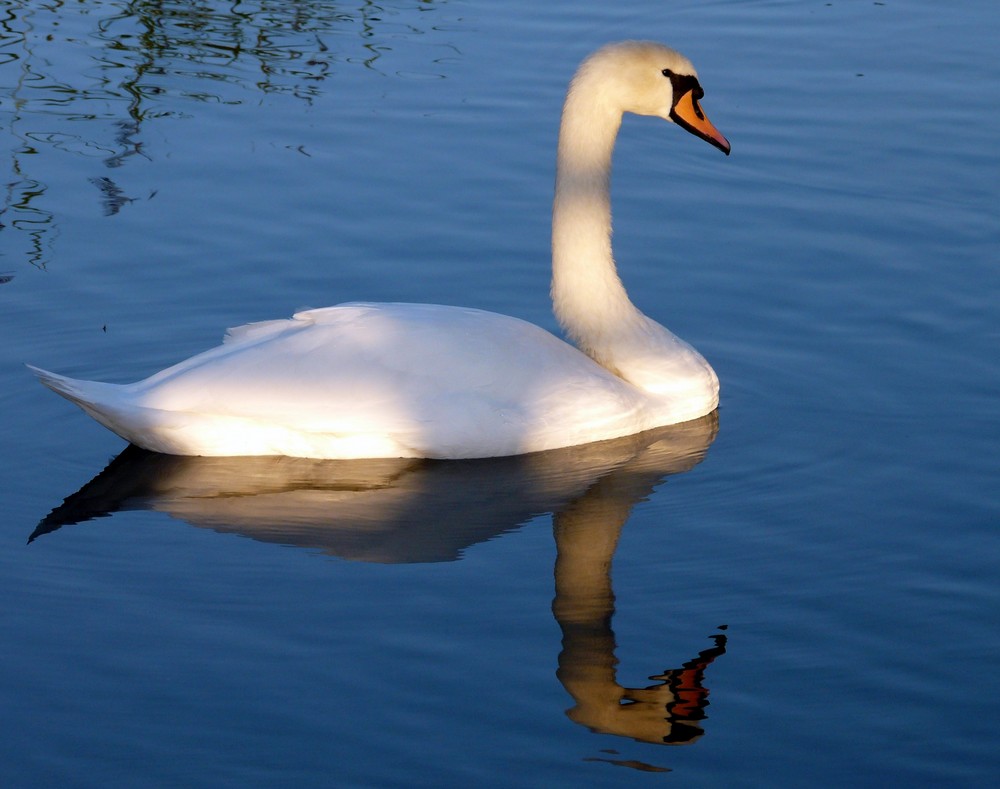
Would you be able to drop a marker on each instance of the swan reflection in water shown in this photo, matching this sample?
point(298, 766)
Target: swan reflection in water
point(414, 510)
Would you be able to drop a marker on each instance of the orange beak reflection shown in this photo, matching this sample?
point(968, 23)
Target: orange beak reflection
point(687, 114)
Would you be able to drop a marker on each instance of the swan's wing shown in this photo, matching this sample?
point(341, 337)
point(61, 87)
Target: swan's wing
point(420, 380)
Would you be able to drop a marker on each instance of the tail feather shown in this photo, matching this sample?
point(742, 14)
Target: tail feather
point(119, 408)
point(102, 401)
point(80, 392)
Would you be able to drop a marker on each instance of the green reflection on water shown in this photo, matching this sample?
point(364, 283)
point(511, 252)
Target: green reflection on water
point(86, 78)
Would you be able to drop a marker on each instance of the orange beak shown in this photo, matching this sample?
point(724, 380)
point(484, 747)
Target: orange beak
point(687, 114)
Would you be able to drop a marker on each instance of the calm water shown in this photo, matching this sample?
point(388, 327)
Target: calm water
point(802, 594)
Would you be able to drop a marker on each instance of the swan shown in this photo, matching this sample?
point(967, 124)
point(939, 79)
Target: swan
point(367, 380)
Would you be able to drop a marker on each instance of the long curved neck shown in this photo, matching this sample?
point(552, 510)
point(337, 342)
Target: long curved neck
point(588, 297)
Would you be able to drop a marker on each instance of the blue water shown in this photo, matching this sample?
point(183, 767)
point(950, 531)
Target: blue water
point(808, 587)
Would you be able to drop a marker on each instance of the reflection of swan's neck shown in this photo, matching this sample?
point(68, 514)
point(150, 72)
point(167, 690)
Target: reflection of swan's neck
point(588, 297)
point(586, 534)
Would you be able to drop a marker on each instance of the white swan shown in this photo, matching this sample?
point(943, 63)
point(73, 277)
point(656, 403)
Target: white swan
point(419, 380)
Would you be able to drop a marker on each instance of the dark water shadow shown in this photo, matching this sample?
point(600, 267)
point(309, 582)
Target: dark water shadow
point(431, 511)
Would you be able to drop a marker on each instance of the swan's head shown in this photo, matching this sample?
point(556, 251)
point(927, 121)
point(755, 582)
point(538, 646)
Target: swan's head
point(647, 78)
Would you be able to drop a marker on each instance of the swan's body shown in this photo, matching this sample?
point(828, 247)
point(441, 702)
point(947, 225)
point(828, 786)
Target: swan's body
point(414, 380)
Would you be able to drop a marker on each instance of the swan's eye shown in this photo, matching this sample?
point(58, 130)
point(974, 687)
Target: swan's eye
point(667, 73)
